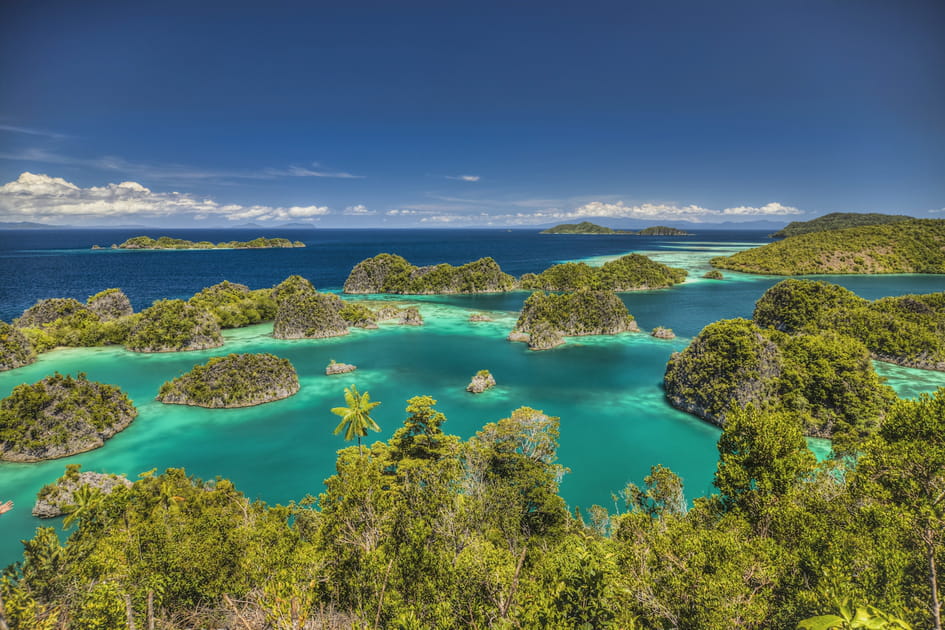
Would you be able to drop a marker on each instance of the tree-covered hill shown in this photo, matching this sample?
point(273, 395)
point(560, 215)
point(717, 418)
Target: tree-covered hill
point(236, 380)
point(388, 273)
point(908, 246)
point(632, 272)
point(837, 221)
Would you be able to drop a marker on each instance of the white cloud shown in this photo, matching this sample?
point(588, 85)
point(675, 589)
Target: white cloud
point(359, 210)
point(32, 132)
point(671, 211)
point(41, 197)
point(464, 178)
point(298, 171)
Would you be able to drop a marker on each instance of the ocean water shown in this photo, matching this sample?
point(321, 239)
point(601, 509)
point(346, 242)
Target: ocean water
point(615, 423)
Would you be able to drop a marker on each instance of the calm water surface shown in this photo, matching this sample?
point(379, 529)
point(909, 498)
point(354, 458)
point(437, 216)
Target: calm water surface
point(615, 423)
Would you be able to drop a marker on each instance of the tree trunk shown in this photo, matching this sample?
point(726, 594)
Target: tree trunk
point(933, 579)
point(150, 610)
point(360, 451)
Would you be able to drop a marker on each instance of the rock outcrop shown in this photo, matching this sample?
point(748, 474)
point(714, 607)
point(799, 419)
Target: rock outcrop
point(339, 368)
point(479, 317)
point(236, 380)
point(713, 274)
point(548, 317)
point(15, 349)
point(60, 416)
point(663, 333)
point(174, 326)
point(482, 381)
point(544, 336)
point(110, 304)
point(49, 310)
point(410, 316)
point(517, 335)
point(54, 499)
point(309, 316)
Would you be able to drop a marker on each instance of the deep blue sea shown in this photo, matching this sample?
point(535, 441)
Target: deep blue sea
point(615, 422)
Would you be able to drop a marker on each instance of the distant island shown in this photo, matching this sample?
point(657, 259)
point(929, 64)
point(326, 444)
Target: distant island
point(586, 227)
point(908, 246)
point(166, 242)
point(837, 221)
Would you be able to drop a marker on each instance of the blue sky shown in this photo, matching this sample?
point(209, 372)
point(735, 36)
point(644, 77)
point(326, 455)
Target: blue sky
point(436, 114)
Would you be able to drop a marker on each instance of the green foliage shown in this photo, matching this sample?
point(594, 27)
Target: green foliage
point(584, 227)
point(356, 416)
point(662, 230)
point(236, 380)
point(309, 315)
point(908, 330)
point(174, 325)
point(713, 274)
point(59, 416)
point(850, 618)
point(578, 313)
point(15, 349)
point(166, 242)
point(234, 305)
point(909, 246)
point(627, 273)
point(388, 273)
point(826, 380)
point(357, 314)
point(290, 287)
point(837, 221)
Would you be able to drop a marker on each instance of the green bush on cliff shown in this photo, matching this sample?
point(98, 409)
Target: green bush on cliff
point(309, 316)
point(827, 380)
point(908, 330)
point(627, 273)
point(234, 305)
point(67, 322)
point(913, 246)
point(174, 325)
point(60, 415)
point(388, 273)
point(291, 286)
point(236, 380)
point(15, 349)
point(578, 313)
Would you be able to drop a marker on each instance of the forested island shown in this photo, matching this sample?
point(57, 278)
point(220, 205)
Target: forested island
point(388, 273)
point(548, 318)
point(837, 221)
point(166, 242)
point(60, 416)
point(586, 227)
point(735, 363)
point(907, 330)
point(633, 272)
point(236, 380)
point(783, 542)
point(906, 246)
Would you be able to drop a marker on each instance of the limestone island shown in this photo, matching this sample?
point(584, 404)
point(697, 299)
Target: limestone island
point(633, 272)
point(388, 273)
point(837, 221)
point(166, 242)
point(339, 368)
point(105, 319)
point(15, 350)
point(174, 326)
point(236, 305)
point(713, 274)
point(735, 363)
point(663, 333)
point(548, 318)
point(55, 499)
point(586, 227)
point(307, 314)
point(60, 416)
point(907, 330)
point(110, 304)
point(236, 380)
point(482, 381)
point(907, 246)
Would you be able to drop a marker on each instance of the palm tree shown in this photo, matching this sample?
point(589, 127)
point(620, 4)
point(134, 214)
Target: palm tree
point(84, 501)
point(355, 418)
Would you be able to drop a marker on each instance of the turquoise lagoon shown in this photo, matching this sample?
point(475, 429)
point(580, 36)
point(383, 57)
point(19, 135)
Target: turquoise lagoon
point(615, 422)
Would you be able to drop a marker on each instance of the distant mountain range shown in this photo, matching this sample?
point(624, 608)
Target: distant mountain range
point(690, 226)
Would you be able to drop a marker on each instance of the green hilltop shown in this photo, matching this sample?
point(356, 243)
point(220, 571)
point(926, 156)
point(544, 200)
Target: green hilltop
point(908, 246)
point(837, 221)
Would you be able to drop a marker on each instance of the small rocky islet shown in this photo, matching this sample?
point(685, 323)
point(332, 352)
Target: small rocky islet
point(547, 318)
point(480, 382)
point(236, 380)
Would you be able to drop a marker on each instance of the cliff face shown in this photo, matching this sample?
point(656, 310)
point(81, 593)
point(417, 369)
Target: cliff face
point(49, 310)
point(387, 273)
point(579, 313)
point(110, 304)
point(309, 316)
point(174, 326)
point(727, 363)
point(236, 380)
point(15, 349)
point(60, 416)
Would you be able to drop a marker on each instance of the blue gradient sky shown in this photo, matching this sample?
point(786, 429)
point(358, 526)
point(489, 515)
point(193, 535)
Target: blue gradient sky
point(363, 114)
